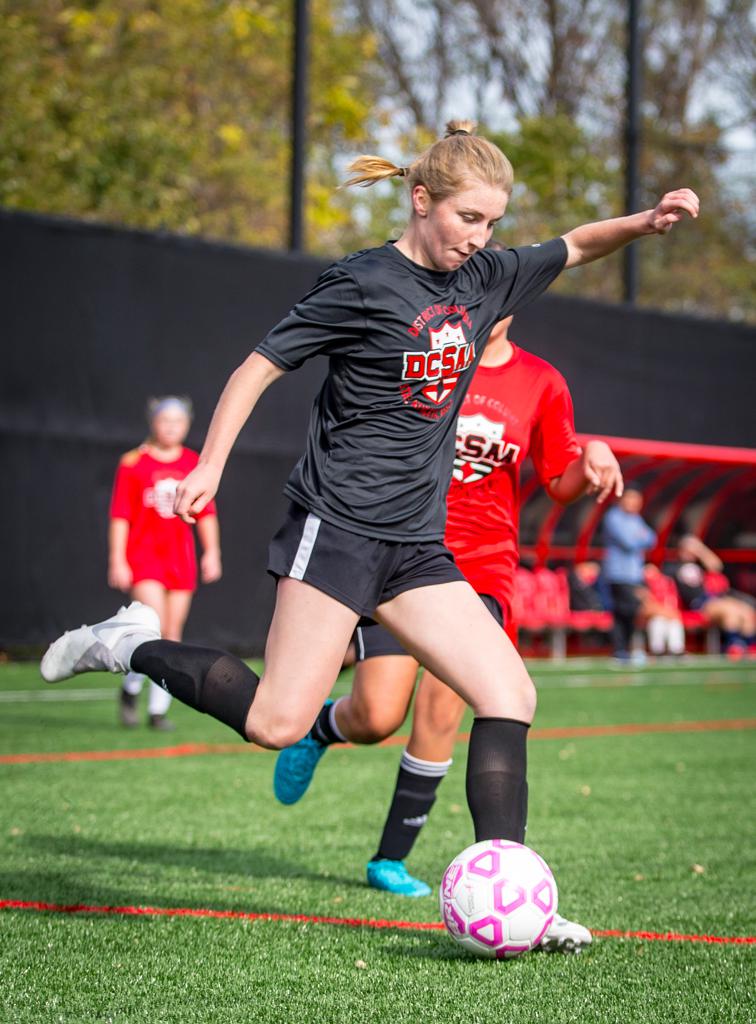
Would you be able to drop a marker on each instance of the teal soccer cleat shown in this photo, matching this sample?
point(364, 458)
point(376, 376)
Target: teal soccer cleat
point(392, 876)
point(295, 767)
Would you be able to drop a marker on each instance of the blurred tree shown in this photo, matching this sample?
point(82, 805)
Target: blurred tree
point(174, 113)
point(699, 78)
point(547, 78)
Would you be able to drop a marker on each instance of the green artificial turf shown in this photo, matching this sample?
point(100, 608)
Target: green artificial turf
point(645, 832)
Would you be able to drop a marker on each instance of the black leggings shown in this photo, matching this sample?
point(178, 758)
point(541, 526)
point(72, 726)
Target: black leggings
point(625, 605)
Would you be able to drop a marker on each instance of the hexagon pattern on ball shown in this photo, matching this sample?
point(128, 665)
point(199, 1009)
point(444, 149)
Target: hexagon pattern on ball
point(498, 898)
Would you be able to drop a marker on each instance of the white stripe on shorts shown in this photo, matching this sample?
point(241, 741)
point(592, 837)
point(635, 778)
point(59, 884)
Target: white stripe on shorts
point(360, 645)
point(306, 546)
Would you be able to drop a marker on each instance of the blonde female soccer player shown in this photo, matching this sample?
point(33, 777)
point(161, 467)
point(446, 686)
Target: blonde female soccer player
point(403, 326)
point(518, 405)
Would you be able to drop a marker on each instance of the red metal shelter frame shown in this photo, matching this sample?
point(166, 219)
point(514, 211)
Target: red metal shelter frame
point(661, 465)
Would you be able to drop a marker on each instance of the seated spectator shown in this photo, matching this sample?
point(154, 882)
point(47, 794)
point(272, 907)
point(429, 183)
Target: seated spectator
point(731, 612)
point(627, 537)
point(583, 579)
point(660, 611)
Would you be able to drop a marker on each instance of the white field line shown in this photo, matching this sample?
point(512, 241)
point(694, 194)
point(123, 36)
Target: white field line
point(554, 680)
point(625, 681)
point(34, 696)
point(692, 663)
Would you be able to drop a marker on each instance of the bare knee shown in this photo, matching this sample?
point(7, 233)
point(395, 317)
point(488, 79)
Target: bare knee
point(173, 625)
point(530, 699)
point(371, 724)
point(515, 698)
point(274, 732)
point(440, 717)
point(729, 620)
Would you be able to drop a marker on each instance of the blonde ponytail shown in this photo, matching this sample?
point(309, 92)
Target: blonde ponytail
point(445, 167)
point(367, 170)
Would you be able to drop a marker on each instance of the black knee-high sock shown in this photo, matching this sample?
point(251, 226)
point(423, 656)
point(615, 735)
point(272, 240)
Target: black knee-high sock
point(497, 790)
point(324, 727)
point(213, 682)
point(414, 796)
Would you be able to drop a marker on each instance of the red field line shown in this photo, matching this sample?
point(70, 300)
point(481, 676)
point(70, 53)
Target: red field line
point(613, 933)
point(146, 753)
point(349, 922)
point(243, 915)
point(565, 733)
point(637, 728)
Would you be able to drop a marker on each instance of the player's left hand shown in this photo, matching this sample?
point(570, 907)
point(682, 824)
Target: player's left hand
point(672, 207)
point(602, 471)
point(211, 568)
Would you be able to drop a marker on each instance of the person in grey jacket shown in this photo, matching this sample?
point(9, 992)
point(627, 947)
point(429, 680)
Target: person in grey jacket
point(627, 537)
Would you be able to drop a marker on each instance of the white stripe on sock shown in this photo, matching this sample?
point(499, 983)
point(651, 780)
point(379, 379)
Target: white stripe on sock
point(428, 769)
point(305, 549)
point(332, 721)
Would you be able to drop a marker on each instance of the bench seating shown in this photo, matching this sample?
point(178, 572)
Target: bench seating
point(542, 607)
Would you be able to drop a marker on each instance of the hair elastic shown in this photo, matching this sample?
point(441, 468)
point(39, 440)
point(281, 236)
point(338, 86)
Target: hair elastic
point(157, 405)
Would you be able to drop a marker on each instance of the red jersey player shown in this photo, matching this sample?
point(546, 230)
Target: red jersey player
point(517, 405)
point(152, 551)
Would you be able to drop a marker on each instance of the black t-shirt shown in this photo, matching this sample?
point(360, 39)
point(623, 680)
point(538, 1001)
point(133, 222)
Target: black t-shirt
point(689, 577)
point(403, 342)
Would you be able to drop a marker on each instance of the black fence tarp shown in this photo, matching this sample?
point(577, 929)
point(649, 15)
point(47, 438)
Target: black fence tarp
point(93, 320)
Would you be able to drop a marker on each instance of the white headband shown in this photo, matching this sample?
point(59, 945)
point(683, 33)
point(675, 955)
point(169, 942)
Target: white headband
point(171, 402)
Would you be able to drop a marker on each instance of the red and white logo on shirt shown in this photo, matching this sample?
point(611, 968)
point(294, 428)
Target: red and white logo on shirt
point(161, 497)
point(481, 447)
point(450, 353)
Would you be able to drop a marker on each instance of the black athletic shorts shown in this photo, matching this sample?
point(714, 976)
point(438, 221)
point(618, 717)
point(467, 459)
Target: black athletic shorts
point(360, 572)
point(374, 641)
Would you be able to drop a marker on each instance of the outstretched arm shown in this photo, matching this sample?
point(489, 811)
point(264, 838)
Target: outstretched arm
point(239, 397)
point(708, 559)
point(592, 241)
point(596, 471)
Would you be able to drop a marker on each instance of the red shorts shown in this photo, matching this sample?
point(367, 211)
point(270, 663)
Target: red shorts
point(172, 577)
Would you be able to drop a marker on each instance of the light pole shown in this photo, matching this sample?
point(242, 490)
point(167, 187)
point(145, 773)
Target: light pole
point(300, 57)
point(633, 90)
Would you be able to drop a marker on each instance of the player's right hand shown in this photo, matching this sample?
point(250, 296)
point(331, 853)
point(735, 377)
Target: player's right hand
point(195, 491)
point(120, 576)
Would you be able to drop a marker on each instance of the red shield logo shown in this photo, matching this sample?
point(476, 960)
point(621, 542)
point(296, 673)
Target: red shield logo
point(451, 341)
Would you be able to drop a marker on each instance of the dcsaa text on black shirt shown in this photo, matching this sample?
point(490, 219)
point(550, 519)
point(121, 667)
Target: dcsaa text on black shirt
point(403, 342)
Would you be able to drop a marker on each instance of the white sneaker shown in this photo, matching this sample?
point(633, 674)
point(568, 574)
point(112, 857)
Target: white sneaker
point(104, 647)
point(565, 936)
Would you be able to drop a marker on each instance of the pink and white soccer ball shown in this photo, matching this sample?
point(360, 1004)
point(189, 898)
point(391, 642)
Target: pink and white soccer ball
point(498, 898)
